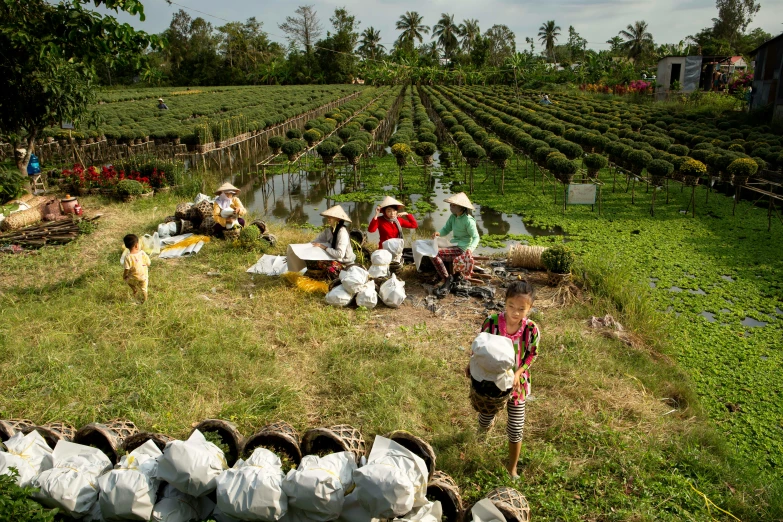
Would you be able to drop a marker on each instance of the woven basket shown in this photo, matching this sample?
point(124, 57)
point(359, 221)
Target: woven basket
point(691, 181)
point(279, 437)
point(418, 446)
point(232, 234)
point(333, 440)
point(106, 437)
point(53, 431)
point(526, 256)
point(427, 160)
point(511, 503)
point(21, 219)
point(555, 279)
point(443, 488)
point(206, 225)
point(9, 427)
point(270, 238)
point(182, 210)
point(394, 268)
point(134, 441)
point(260, 224)
point(185, 226)
point(487, 405)
point(228, 433)
point(203, 209)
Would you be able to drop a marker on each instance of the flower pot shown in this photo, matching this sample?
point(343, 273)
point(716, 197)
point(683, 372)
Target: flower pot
point(163, 190)
point(175, 141)
point(148, 194)
point(691, 181)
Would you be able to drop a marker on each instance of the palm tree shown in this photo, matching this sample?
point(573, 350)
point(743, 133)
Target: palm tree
point(547, 35)
point(446, 31)
point(370, 43)
point(469, 30)
point(412, 29)
point(616, 42)
point(637, 40)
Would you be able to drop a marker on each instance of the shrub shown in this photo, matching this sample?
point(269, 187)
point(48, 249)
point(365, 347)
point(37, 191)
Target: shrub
point(129, 187)
point(11, 183)
point(635, 125)
point(401, 150)
point(743, 168)
point(678, 150)
point(370, 125)
point(293, 134)
point(327, 149)
point(16, 503)
point(595, 161)
point(428, 136)
point(563, 168)
point(558, 259)
point(426, 148)
point(693, 167)
point(639, 159)
point(311, 136)
point(292, 147)
point(500, 155)
point(659, 168)
point(275, 143)
point(353, 150)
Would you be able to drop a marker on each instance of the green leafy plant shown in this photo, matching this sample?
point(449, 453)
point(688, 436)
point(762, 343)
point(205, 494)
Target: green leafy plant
point(327, 150)
point(742, 169)
point(500, 155)
point(11, 183)
point(353, 151)
point(16, 503)
point(275, 143)
point(693, 167)
point(129, 187)
point(292, 147)
point(558, 259)
point(250, 236)
point(311, 136)
point(594, 163)
point(293, 134)
point(425, 149)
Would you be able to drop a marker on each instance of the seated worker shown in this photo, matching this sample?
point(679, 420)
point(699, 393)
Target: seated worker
point(466, 239)
point(389, 221)
point(162, 106)
point(545, 100)
point(335, 240)
point(227, 211)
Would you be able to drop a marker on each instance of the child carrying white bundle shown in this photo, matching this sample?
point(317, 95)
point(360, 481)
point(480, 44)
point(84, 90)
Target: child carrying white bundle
point(29, 454)
point(317, 487)
point(128, 491)
point(393, 481)
point(493, 360)
point(69, 485)
point(380, 263)
point(192, 466)
point(392, 292)
point(252, 489)
point(176, 506)
point(485, 511)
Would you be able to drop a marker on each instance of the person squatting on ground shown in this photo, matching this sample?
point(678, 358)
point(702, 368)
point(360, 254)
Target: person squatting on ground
point(466, 239)
point(389, 220)
point(227, 211)
point(335, 240)
point(514, 324)
point(162, 106)
point(136, 265)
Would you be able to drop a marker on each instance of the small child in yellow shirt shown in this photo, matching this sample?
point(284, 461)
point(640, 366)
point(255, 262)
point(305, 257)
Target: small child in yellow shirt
point(136, 266)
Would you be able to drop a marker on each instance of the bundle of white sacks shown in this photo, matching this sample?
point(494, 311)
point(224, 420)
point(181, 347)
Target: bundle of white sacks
point(80, 480)
point(356, 282)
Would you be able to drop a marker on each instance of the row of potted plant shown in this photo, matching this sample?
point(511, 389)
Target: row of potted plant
point(109, 180)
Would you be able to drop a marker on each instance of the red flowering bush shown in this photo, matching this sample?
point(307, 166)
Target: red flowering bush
point(108, 177)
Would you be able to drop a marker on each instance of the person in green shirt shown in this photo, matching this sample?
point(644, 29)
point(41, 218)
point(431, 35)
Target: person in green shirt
point(465, 240)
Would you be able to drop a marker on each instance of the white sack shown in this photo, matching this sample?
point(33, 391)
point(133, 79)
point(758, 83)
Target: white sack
point(29, 454)
point(200, 198)
point(353, 278)
point(167, 229)
point(424, 248)
point(192, 466)
point(219, 516)
point(392, 292)
point(353, 511)
point(128, 491)
point(485, 511)
point(69, 485)
point(269, 265)
point(376, 271)
point(252, 489)
point(431, 512)
point(95, 514)
point(493, 360)
point(296, 515)
point(175, 506)
point(317, 487)
point(395, 247)
point(393, 482)
point(367, 296)
point(381, 257)
point(337, 296)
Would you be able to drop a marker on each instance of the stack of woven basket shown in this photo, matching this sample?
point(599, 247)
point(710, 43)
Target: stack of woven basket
point(38, 208)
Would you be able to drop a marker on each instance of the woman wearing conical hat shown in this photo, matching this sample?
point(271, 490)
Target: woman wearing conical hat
point(336, 241)
point(389, 220)
point(227, 211)
point(465, 240)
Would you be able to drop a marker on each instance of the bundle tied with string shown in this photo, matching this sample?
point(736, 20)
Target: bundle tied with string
point(342, 437)
point(526, 256)
point(107, 437)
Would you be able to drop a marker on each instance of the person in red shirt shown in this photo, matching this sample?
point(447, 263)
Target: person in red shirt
point(389, 221)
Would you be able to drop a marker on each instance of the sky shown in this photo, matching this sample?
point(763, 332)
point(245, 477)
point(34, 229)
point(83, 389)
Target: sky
point(669, 21)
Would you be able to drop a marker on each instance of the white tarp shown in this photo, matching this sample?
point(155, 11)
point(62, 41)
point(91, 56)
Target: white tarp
point(493, 360)
point(175, 506)
point(392, 292)
point(393, 481)
point(173, 240)
point(192, 466)
point(252, 489)
point(29, 454)
point(485, 511)
point(269, 265)
point(128, 491)
point(424, 248)
point(395, 247)
point(69, 485)
point(353, 278)
point(367, 296)
point(175, 251)
point(317, 487)
point(297, 254)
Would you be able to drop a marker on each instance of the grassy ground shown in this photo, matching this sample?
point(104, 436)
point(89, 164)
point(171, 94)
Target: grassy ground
point(614, 433)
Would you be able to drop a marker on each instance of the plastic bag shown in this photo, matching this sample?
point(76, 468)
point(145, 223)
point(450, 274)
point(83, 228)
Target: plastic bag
point(353, 511)
point(431, 512)
point(424, 248)
point(353, 278)
point(200, 198)
point(192, 466)
point(337, 296)
point(317, 487)
point(167, 229)
point(175, 506)
point(252, 489)
point(367, 296)
point(69, 484)
point(146, 243)
point(128, 491)
point(392, 292)
point(395, 247)
point(493, 360)
point(485, 511)
point(381, 257)
point(376, 271)
point(155, 243)
point(29, 454)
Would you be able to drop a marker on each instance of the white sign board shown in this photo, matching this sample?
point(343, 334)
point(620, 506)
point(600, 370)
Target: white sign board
point(66, 125)
point(581, 194)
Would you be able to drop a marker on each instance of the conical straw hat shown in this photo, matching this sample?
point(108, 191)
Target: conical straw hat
point(336, 212)
point(460, 199)
point(227, 187)
point(389, 201)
